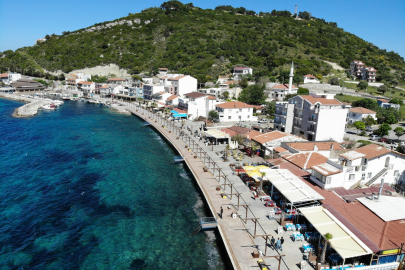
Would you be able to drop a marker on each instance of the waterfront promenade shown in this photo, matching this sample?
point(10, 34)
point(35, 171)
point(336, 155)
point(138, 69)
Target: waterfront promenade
point(237, 233)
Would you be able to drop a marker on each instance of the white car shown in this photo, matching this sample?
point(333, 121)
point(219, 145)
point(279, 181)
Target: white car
point(263, 121)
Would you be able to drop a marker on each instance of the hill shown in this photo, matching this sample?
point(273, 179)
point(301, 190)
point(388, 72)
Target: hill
point(205, 44)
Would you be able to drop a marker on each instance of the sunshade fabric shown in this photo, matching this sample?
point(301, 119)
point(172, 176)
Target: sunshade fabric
point(176, 114)
point(293, 188)
point(216, 134)
point(344, 242)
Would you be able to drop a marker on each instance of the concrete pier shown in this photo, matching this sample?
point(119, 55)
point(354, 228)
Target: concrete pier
point(27, 110)
point(237, 234)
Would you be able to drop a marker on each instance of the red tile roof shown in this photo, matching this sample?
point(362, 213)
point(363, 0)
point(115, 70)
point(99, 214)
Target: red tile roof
point(306, 160)
point(211, 97)
point(194, 95)
point(383, 100)
point(240, 130)
point(177, 78)
point(163, 68)
point(84, 82)
point(362, 110)
point(230, 132)
point(252, 134)
point(309, 146)
point(284, 86)
point(310, 76)
point(116, 79)
point(234, 105)
point(172, 97)
point(321, 100)
point(280, 149)
point(241, 68)
point(105, 86)
point(373, 151)
point(271, 136)
point(4, 75)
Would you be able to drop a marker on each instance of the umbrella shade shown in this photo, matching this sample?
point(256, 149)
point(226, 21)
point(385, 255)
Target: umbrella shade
point(254, 174)
point(249, 168)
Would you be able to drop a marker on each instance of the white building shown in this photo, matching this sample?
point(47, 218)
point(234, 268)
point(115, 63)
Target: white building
point(150, 89)
point(173, 100)
point(235, 111)
point(11, 77)
point(118, 81)
point(86, 87)
point(72, 79)
point(310, 79)
point(365, 166)
point(181, 85)
point(358, 113)
point(239, 72)
point(383, 103)
point(116, 89)
point(313, 117)
point(280, 91)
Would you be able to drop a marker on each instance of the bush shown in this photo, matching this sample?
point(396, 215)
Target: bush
point(334, 81)
point(363, 133)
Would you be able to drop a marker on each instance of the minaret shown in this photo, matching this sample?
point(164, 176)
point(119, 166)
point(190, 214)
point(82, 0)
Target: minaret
point(291, 77)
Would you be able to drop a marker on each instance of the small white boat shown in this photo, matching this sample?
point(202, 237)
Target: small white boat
point(58, 102)
point(65, 97)
point(49, 106)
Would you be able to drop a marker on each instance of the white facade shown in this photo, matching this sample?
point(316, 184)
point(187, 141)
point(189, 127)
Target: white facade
point(116, 89)
point(183, 85)
point(197, 107)
point(314, 117)
point(150, 89)
point(87, 87)
point(310, 79)
point(239, 72)
point(235, 111)
point(361, 171)
point(355, 116)
point(11, 77)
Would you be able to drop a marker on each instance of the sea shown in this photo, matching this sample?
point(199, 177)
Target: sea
point(83, 187)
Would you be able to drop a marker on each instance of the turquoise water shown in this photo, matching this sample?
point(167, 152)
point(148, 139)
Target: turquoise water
point(85, 188)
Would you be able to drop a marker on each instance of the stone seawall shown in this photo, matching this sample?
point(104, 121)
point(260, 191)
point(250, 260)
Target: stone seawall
point(27, 110)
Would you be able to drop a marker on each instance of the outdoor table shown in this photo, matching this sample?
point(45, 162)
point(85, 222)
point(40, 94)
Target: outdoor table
point(298, 237)
point(335, 258)
point(308, 247)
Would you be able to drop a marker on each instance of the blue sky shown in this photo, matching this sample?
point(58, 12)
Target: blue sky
point(24, 21)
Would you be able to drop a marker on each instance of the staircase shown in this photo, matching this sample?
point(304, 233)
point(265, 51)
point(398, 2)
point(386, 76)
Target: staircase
point(356, 185)
point(197, 230)
point(378, 175)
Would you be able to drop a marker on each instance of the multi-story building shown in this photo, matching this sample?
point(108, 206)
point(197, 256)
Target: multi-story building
point(361, 72)
point(11, 77)
point(383, 103)
point(358, 113)
point(150, 89)
point(313, 117)
point(235, 111)
point(72, 79)
point(86, 87)
point(368, 74)
point(280, 91)
point(178, 84)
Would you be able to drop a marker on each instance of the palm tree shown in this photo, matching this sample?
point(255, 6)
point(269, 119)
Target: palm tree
point(327, 238)
point(139, 100)
point(254, 149)
point(261, 181)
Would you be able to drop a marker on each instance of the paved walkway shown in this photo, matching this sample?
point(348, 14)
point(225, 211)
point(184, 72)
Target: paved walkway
point(236, 234)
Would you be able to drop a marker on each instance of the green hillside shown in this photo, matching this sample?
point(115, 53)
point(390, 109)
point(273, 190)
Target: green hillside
point(205, 44)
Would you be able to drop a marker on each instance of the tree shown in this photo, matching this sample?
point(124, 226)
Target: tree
point(253, 94)
point(388, 115)
point(396, 101)
point(243, 83)
point(47, 37)
point(399, 131)
point(362, 85)
point(334, 81)
point(304, 15)
point(369, 121)
point(225, 94)
point(137, 77)
point(359, 125)
point(367, 103)
point(238, 138)
point(271, 108)
point(383, 130)
point(382, 89)
point(327, 238)
point(212, 115)
point(172, 5)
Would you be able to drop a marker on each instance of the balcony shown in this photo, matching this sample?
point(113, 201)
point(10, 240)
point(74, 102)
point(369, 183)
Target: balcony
point(299, 116)
point(282, 113)
point(311, 130)
point(312, 119)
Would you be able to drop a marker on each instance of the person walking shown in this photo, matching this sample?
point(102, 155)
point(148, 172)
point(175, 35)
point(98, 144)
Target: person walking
point(222, 212)
point(272, 242)
point(281, 243)
point(278, 244)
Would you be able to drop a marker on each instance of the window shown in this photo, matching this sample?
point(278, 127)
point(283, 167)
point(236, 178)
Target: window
point(354, 115)
point(363, 176)
point(229, 117)
point(369, 175)
point(351, 177)
point(248, 116)
point(240, 110)
point(396, 172)
point(328, 179)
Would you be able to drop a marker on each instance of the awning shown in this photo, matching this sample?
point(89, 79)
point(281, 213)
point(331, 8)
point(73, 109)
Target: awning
point(292, 188)
point(344, 241)
point(176, 114)
point(216, 134)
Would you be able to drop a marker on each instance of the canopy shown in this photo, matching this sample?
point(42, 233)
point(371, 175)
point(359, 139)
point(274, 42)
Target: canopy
point(176, 114)
point(344, 241)
point(216, 134)
point(254, 174)
point(293, 188)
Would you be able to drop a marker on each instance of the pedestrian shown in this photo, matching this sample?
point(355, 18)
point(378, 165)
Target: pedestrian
point(278, 243)
point(254, 194)
point(222, 212)
point(281, 243)
point(272, 242)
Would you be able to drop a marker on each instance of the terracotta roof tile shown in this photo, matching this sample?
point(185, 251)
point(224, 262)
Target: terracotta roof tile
point(177, 78)
point(116, 79)
point(230, 132)
point(362, 110)
point(280, 149)
point(310, 76)
point(241, 68)
point(84, 82)
point(383, 100)
point(4, 75)
point(309, 146)
point(240, 130)
point(234, 105)
point(373, 151)
point(194, 95)
point(321, 100)
point(211, 97)
point(252, 134)
point(172, 97)
point(306, 160)
point(284, 86)
point(271, 136)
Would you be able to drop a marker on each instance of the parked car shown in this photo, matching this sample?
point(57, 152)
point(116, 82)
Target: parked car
point(369, 129)
point(383, 140)
point(263, 120)
point(374, 137)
